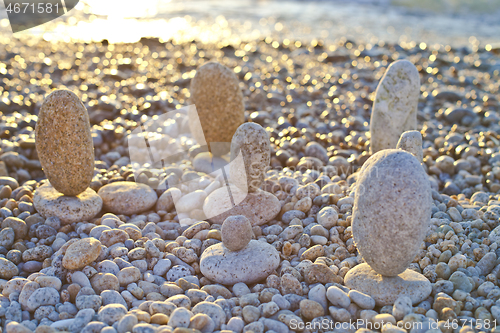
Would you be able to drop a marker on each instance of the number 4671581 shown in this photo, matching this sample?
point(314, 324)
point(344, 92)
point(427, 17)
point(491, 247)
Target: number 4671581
point(30, 8)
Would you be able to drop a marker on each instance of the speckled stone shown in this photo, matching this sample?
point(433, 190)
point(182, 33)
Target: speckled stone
point(249, 265)
point(236, 232)
point(7, 269)
point(392, 210)
point(64, 142)
point(385, 290)
point(81, 253)
point(395, 106)
point(411, 141)
point(16, 225)
point(250, 156)
point(69, 209)
point(127, 197)
point(219, 104)
point(259, 207)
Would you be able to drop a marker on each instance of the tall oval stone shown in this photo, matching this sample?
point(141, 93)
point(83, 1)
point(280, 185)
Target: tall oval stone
point(392, 210)
point(251, 142)
point(218, 99)
point(64, 142)
point(395, 107)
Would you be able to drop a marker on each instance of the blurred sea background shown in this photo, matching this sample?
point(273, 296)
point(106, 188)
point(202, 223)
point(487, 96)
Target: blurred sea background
point(470, 23)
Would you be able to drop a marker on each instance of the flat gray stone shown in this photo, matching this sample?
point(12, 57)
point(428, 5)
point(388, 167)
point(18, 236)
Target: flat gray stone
point(253, 263)
point(127, 197)
point(385, 290)
point(259, 207)
point(69, 209)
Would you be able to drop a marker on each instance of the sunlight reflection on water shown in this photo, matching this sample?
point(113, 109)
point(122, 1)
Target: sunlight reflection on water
point(125, 8)
point(233, 21)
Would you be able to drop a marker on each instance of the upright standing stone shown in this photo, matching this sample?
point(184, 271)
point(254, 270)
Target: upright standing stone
point(392, 210)
point(391, 215)
point(250, 156)
point(395, 106)
point(216, 93)
point(251, 141)
point(64, 142)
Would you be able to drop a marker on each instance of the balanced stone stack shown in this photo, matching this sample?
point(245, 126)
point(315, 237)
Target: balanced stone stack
point(250, 156)
point(217, 97)
point(238, 258)
point(391, 216)
point(395, 106)
point(66, 152)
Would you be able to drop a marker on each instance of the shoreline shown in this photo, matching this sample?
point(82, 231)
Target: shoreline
point(139, 269)
point(213, 21)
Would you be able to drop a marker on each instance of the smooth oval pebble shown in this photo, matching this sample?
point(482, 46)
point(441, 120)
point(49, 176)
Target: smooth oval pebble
point(236, 232)
point(392, 207)
point(127, 197)
point(81, 253)
point(250, 156)
point(7, 269)
point(216, 94)
point(64, 142)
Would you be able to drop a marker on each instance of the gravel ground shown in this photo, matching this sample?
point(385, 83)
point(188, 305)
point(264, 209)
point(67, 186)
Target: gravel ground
point(314, 100)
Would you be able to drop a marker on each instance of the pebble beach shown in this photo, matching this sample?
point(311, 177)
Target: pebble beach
point(110, 247)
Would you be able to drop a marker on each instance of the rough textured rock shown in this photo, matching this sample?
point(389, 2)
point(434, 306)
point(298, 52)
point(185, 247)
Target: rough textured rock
point(385, 290)
point(250, 156)
point(236, 232)
point(259, 207)
point(392, 210)
point(64, 142)
point(42, 296)
point(127, 197)
point(69, 209)
point(411, 141)
point(219, 104)
point(111, 313)
point(224, 266)
point(81, 253)
point(395, 106)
